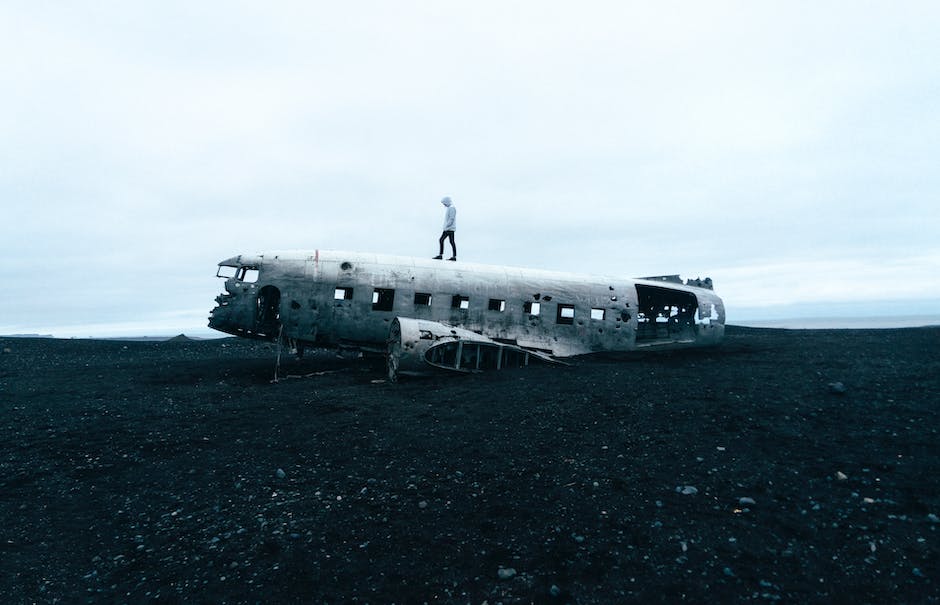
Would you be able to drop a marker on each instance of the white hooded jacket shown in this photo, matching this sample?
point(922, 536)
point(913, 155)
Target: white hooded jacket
point(450, 216)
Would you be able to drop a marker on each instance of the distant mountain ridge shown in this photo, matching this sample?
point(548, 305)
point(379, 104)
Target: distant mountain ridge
point(27, 336)
point(177, 338)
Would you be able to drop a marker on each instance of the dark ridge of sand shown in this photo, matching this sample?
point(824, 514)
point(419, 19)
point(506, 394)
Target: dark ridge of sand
point(785, 465)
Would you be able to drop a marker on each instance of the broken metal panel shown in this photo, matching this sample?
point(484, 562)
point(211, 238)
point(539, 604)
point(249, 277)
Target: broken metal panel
point(410, 339)
point(418, 347)
point(700, 283)
point(672, 279)
point(710, 325)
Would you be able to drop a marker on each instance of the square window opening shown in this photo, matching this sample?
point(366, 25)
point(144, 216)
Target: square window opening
point(531, 308)
point(383, 299)
point(343, 294)
point(422, 299)
point(598, 314)
point(497, 305)
point(460, 302)
point(565, 314)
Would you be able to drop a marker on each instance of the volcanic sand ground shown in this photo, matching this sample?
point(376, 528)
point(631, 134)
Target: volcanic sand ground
point(177, 472)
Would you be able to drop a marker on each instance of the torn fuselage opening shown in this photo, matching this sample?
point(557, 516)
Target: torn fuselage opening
point(664, 314)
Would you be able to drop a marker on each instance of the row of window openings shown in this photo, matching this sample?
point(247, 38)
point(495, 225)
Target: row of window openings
point(383, 299)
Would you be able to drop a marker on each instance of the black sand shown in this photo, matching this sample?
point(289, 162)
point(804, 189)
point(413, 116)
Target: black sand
point(177, 473)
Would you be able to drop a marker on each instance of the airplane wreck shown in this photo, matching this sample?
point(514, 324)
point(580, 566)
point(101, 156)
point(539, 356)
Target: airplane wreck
point(427, 316)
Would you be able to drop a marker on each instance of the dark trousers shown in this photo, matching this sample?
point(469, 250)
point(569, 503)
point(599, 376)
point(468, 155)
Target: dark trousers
point(453, 246)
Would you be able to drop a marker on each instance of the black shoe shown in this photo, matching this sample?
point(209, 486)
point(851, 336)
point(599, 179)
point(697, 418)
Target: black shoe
point(438, 257)
point(452, 258)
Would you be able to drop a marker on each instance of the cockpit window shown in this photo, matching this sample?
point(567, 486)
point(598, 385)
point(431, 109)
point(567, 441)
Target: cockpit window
point(245, 274)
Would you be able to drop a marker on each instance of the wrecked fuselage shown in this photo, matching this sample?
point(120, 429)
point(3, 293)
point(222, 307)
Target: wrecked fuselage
point(410, 308)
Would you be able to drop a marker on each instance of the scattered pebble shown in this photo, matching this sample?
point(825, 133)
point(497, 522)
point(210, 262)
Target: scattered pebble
point(841, 476)
point(933, 518)
point(837, 388)
point(506, 573)
point(687, 490)
point(280, 473)
point(745, 501)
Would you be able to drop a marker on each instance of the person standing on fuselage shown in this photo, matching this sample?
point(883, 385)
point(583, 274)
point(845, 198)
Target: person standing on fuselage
point(450, 225)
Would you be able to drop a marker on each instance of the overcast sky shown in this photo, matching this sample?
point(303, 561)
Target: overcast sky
point(788, 150)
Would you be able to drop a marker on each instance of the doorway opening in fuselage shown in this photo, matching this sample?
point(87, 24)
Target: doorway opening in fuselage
point(664, 315)
point(268, 312)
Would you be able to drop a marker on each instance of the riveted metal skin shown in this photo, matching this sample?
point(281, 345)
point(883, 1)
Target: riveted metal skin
point(326, 298)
